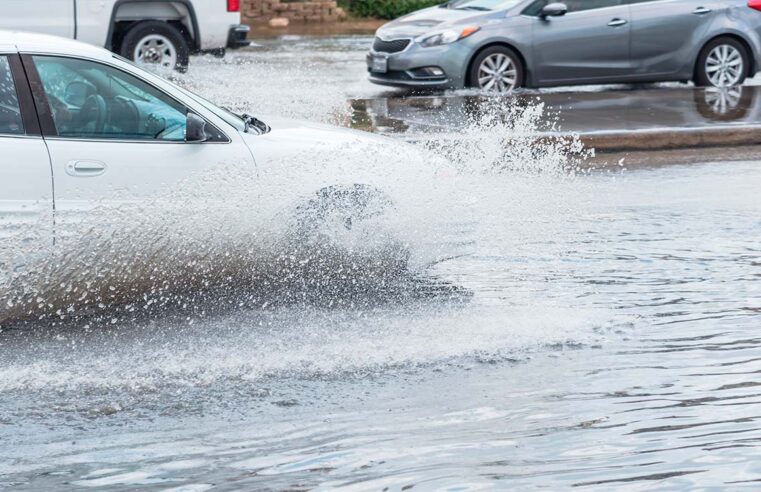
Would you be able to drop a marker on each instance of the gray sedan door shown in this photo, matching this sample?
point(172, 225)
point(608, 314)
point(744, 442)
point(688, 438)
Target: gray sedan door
point(667, 34)
point(590, 44)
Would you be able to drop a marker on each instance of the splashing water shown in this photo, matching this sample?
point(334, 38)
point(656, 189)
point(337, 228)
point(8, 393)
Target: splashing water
point(502, 134)
point(209, 253)
point(228, 227)
point(601, 332)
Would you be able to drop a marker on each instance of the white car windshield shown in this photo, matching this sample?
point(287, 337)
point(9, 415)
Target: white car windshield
point(233, 119)
point(482, 4)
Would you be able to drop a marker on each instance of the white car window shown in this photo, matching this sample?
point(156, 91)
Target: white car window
point(10, 113)
point(93, 100)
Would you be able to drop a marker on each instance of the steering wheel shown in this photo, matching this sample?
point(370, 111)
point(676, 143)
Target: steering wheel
point(10, 118)
point(94, 110)
point(9, 109)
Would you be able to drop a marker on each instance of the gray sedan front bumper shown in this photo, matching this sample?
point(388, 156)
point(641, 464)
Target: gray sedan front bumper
point(407, 68)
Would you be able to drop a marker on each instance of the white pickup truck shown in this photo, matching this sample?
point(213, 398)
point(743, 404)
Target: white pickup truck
point(160, 32)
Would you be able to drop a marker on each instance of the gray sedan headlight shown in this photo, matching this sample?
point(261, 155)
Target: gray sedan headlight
point(446, 37)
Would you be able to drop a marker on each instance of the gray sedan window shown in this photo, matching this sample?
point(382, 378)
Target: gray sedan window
point(10, 113)
point(573, 5)
point(579, 5)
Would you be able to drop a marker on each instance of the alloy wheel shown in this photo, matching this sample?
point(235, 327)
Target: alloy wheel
point(497, 73)
point(156, 49)
point(725, 66)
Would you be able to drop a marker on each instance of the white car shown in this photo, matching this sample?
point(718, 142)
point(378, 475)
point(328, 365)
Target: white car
point(92, 148)
point(162, 32)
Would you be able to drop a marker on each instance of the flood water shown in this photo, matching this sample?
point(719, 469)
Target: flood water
point(604, 334)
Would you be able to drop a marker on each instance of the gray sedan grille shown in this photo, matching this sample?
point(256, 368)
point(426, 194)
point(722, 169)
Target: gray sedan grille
point(394, 46)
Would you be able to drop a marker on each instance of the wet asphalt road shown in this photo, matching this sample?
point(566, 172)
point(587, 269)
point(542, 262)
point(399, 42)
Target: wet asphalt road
point(603, 335)
point(314, 73)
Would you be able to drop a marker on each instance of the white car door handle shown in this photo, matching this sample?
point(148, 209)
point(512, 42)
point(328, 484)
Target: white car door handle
point(85, 168)
point(617, 23)
point(701, 11)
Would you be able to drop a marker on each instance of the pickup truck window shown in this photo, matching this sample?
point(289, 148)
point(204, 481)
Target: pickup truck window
point(93, 100)
point(10, 113)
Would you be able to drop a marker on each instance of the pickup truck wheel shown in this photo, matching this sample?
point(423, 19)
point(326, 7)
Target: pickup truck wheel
point(156, 43)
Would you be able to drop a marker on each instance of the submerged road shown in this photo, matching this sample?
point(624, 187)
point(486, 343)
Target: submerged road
point(604, 334)
point(675, 118)
point(321, 76)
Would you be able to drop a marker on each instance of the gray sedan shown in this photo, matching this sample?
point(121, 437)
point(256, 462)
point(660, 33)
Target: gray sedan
point(500, 45)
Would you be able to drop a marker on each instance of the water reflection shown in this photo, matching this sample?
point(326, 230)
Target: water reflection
point(581, 112)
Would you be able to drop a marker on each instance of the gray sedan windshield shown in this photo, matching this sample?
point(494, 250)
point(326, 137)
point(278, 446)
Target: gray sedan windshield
point(482, 4)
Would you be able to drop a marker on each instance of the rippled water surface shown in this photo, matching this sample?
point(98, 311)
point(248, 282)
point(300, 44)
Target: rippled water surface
point(604, 334)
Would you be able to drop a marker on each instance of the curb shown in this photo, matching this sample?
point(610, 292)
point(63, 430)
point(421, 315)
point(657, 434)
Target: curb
point(672, 139)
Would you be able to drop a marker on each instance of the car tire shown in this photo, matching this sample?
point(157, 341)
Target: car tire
point(339, 206)
point(508, 65)
point(156, 43)
point(711, 55)
point(349, 221)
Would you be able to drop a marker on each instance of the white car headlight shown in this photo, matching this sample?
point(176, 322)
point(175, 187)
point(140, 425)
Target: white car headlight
point(446, 37)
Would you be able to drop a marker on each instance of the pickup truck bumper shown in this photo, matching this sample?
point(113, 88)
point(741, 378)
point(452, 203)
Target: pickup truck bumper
point(237, 37)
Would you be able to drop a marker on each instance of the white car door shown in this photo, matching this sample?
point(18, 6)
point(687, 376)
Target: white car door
point(117, 146)
point(43, 16)
point(26, 187)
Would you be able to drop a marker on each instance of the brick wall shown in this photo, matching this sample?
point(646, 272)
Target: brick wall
point(311, 11)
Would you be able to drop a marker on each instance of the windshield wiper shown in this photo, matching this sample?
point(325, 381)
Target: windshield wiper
point(473, 7)
point(244, 118)
point(251, 122)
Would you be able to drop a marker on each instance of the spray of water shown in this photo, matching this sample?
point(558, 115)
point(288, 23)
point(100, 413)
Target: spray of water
point(319, 220)
point(224, 253)
point(511, 135)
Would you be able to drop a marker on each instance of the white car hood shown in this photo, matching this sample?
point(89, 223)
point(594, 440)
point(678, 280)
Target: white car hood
point(310, 133)
point(335, 152)
point(294, 137)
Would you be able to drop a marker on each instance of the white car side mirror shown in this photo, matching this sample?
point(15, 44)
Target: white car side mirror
point(195, 129)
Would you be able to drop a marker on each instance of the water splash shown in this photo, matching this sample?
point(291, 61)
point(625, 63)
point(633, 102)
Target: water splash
point(505, 134)
point(218, 249)
point(228, 227)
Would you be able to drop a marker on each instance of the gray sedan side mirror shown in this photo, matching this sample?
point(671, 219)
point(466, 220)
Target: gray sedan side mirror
point(556, 9)
point(195, 129)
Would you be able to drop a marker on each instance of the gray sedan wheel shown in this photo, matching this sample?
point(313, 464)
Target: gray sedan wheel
point(497, 69)
point(722, 63)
